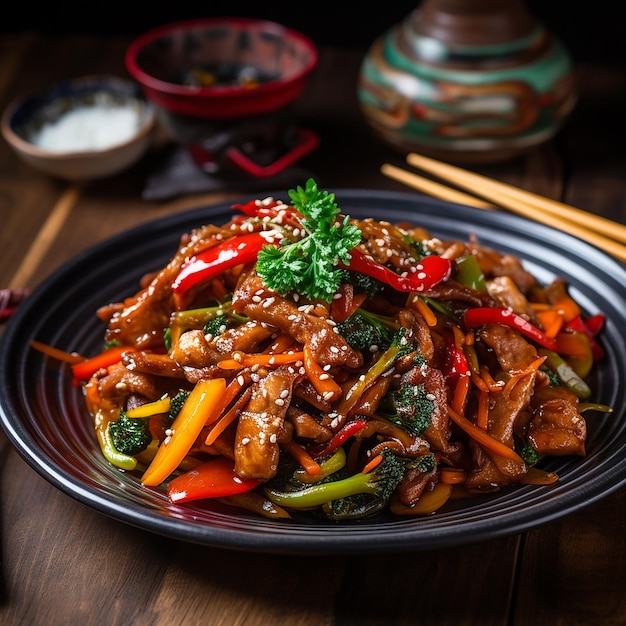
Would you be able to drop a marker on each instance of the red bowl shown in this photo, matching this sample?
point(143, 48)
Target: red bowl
point(282, 57)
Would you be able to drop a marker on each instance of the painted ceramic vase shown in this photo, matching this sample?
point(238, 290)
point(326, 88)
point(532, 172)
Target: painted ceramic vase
point(467, 81)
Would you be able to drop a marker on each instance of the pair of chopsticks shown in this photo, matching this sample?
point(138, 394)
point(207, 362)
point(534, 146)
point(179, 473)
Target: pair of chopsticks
point(487, 193)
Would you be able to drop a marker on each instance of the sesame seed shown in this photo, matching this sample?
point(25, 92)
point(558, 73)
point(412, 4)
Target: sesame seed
point(324, 376)
point(241, 380)
point(334, 349)
point(245, 441)
point(326, 368)
point(256, 299)
point(284, 393)
point(328, 395)
point(273, 438)
point(279, 402)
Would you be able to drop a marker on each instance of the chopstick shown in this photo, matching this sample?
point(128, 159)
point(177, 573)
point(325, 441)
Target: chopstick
point(588, 227)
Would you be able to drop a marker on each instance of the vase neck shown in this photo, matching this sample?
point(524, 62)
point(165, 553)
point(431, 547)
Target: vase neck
point(473, 22)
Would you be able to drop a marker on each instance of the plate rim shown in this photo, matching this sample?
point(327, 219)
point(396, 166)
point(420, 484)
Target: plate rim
point(287, 542)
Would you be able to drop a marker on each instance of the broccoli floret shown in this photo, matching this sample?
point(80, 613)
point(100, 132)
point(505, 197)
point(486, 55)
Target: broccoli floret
point(176, 403)
point(409, 407)
point(528, 453)
point(425, 463)
point(217, 325)
point(364, 329)
point(362, 282)
point(130, 435)
point(379, 484)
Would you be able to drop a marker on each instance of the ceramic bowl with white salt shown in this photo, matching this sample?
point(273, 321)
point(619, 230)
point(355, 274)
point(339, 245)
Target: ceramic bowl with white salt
point(81, 129)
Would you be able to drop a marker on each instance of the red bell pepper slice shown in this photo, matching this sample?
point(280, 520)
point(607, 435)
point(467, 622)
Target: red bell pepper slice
point(208, 264)
point(214, 479)
point(480, 316)
point(431, 270)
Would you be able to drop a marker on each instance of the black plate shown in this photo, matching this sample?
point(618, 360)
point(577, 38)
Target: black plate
point(45, 419)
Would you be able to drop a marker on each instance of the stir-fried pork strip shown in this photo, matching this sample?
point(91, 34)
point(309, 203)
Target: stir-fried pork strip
point(256, 443)
point(254, 299)
point(139, 321)
point(556, 427)
point(504, 290)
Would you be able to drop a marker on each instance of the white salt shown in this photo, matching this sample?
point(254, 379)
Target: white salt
point(89, 128)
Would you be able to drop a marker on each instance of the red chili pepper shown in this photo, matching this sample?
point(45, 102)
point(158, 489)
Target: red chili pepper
point(579, 325)
point(493, 315)
point(595, 323)
point(213, 261)
point(213, 479)
point(348, 430)
point(456, 362)
point(431, 270)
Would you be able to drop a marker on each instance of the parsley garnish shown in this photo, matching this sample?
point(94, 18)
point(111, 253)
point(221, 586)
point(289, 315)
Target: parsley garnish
point(309, 265)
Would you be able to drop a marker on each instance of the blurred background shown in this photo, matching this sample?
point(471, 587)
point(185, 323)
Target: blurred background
point(591, 30)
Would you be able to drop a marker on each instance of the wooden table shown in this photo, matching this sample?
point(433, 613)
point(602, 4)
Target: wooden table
point(63, 563)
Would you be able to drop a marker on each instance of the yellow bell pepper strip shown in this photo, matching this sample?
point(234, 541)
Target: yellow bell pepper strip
point(481, 316)
point(431, 271)
point(242, 249)
point(214, 479)
point(201, 407)
point(162, 405)
point(428, 503)
point(86, 369)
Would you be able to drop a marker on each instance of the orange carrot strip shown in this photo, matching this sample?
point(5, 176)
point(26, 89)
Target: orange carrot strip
point(372, 463)
point(479, 382)
point(452, 476)
point(227, 418)
point(280, 344)
point(482, 437)
point(323, 382)
point(533, 367)
point(60, 355)
point(426, 312)
point(265, 360)
point(492, 384)
point(482, 415)
point(310, 465)
point(200, 407)
point(461, 392)
point(459, 337)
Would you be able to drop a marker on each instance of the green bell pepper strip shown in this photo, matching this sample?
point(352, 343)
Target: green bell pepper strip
point(481, 316)
point(565, 373)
